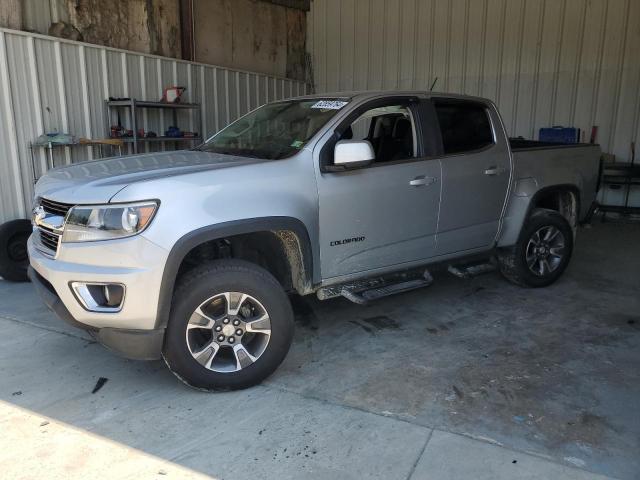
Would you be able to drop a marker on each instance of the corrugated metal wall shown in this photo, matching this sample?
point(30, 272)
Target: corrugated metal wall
point(545, 62)
point(47, 84)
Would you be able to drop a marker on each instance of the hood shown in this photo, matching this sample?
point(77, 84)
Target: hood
point(98, 181)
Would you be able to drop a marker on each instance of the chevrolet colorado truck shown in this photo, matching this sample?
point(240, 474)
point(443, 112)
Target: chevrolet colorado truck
point(190, 255)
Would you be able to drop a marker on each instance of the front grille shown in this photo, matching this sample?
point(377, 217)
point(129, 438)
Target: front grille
point(55, 208)
point(49, 239)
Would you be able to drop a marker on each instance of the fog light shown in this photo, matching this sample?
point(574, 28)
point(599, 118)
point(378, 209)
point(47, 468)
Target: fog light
point(99, 297)
point(113, 295)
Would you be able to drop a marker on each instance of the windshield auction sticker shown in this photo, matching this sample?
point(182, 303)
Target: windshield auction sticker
point(329, 104)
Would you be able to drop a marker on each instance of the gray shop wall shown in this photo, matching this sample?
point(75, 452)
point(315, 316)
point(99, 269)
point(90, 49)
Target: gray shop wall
point(49, 83)
point(544, 62)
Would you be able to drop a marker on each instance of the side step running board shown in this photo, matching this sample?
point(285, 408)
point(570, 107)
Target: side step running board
point(364, 297)
point(471, 270)
point(364, 291)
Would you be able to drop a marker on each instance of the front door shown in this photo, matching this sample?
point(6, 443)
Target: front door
point(384, 214)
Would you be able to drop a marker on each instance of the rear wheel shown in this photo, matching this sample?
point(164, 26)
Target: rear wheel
point(542, 253)
point(14, 259)
point(231, 325)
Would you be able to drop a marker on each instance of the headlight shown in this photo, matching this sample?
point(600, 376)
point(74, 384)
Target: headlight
point(88, 223)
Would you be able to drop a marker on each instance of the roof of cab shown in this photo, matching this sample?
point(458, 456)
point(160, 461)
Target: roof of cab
point(363, 94)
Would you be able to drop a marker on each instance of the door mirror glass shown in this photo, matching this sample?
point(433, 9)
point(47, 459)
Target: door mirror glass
point(353, 153)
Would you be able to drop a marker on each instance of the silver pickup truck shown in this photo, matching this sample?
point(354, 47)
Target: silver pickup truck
point(190, 255)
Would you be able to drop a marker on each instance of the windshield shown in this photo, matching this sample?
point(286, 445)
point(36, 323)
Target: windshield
point(276, 130)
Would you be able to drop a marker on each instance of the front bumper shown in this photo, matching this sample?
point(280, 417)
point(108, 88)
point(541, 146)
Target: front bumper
point(134, 344)
point(134, 262)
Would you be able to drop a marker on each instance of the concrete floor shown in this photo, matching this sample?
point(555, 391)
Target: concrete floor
point(465, 379)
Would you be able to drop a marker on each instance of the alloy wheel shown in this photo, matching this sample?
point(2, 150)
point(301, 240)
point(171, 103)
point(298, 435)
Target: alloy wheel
point(228, 332)
point(545, 250)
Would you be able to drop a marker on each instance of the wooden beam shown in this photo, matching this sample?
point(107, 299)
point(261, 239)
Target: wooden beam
point(186, 28)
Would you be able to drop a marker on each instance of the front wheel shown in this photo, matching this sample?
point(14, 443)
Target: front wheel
point(542, 253)
point(231, 326)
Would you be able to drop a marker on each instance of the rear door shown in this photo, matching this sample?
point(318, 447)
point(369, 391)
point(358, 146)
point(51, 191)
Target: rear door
point(476, 169)
point(384, 214)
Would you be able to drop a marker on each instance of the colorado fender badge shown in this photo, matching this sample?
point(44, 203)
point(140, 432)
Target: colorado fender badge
point(346, 241)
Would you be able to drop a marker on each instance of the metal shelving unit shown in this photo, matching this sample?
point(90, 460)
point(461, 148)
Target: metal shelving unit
point(622, 176)
point(133, 105)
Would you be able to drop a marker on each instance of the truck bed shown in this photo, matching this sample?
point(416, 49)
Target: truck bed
point(553, 164)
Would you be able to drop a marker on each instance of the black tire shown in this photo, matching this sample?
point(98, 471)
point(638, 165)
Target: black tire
point(14, 259)
point(513, 261)
point(204, 283)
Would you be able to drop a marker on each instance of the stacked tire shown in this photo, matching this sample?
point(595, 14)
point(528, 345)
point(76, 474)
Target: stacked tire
point(14, 259)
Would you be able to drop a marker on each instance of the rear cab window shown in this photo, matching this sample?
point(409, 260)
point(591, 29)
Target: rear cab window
point(465, 125)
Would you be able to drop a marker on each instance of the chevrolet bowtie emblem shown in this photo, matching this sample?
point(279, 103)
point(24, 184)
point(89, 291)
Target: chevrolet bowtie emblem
point(39, 214)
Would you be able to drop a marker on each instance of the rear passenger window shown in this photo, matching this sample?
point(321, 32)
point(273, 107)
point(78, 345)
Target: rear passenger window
point(465, 126)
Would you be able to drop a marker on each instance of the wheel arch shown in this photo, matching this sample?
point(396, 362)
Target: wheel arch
point(552, 197)
point(290, 233)
point(555, 197)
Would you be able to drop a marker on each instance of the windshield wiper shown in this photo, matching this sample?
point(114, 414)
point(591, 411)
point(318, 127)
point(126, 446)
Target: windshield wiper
point(240, 152)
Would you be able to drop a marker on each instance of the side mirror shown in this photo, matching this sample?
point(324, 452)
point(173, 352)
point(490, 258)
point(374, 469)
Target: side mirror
point(352, 154)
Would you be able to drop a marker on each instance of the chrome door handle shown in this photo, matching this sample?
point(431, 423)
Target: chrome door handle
point(422, 180)
point(493, 170)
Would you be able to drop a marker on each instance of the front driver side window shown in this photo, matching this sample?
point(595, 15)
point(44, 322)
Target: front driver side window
point(390, 130)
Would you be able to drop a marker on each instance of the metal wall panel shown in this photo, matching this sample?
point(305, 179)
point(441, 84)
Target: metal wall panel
point(544, 62)
point(59, 85)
